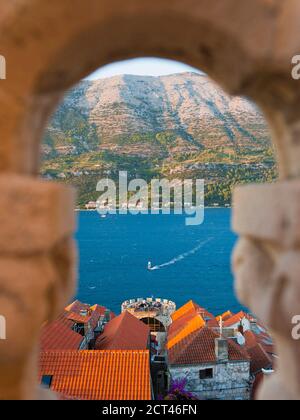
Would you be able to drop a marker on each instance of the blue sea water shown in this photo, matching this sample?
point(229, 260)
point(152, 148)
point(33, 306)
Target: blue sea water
point(194, 261)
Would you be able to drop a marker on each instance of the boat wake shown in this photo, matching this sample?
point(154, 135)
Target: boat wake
point(181, 256)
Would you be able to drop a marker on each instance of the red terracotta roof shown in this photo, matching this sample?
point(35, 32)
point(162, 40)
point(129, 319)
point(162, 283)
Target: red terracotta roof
point(191, 308)
point(125, 332)
point(225, 316)
point(101, 310)
point(98, 375)
point(209, 318)
point(185, 310)
point(58, 335)
point(250, 339)
point(262, 338)
point(259, 359)
point(78, 319)
point(77, 306)
point(184, 326)
point(188, 319)
point(199, 348)
point(235, 319)
point(179, 324)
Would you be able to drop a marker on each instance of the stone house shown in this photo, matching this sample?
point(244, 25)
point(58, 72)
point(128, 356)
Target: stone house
point(75, 328)
point(215, 368)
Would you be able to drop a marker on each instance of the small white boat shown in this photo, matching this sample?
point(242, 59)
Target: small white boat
point(149, 266)
point(103, 216)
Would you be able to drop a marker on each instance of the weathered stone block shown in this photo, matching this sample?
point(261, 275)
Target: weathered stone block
point(268, 212)
point(35, 215)
point(26, 286)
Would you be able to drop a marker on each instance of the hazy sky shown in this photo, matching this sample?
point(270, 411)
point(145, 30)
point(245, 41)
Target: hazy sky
point(142, 67)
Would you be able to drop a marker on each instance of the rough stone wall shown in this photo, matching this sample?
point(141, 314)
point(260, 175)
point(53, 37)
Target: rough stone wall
point(245, 46)
point(266, 263)
point(230, 380)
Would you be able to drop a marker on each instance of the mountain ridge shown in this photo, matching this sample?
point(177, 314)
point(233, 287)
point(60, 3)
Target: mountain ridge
point(155, 126)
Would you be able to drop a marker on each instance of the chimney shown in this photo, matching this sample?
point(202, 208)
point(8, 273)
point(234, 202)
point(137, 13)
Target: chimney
point(221, 349)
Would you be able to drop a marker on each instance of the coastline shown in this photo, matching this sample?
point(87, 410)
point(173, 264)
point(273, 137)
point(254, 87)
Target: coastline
point(205, 208)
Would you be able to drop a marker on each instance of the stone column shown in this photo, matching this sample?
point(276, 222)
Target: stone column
point(37, 276)
point(266, 263)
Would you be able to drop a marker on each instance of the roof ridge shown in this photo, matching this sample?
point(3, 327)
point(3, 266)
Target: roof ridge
point(120, 324)
point(92, 351)
point(190, 338)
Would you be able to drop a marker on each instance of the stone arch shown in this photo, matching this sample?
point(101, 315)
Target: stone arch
point(245, 46)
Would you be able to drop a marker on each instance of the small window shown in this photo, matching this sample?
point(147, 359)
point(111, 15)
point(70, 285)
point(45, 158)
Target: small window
point(206, 373)
point(47, 380)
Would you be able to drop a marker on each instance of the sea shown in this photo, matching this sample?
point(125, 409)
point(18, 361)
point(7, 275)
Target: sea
point(189, 262)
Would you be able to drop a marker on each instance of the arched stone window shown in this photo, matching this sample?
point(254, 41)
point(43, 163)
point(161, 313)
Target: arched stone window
point(247, 47)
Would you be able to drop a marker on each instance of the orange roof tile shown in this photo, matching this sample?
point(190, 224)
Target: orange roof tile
point(58, 335)
point(187, 319)
point(262, 338)
point(235, 319)
point(259, 359)
point(199, 348)
point(125, 332)
point(92, 318)
point(250, 339)
point(78, 319)
point(98, 375)
point(184, 310)
point(266, 341)
point(184, 326)
point(101, 310)
point(77, 306)
point(259, 351)
point(225, 316)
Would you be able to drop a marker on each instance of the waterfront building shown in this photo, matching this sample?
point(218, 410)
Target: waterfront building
point(91, 205)
point(222, 357)
point(215, 368)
